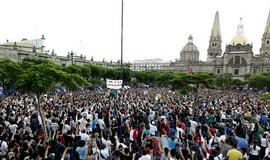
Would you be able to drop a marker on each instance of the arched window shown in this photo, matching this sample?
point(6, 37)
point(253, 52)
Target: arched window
point(243, 61)
point(237, 60)
point(267, 42)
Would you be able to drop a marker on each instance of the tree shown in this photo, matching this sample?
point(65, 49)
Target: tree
point(260, 80)
point(73, 81)
point(84, 71)
point(192, 82)
point(9, 72)
point(164, 78)
point(39, 78)
point(224, 80)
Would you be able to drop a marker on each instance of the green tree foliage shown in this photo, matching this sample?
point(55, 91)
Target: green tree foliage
point(82, 70)
point(260, 80)
point(165, 78)
point(9, 72)
point(224, 80)
point(39, 77)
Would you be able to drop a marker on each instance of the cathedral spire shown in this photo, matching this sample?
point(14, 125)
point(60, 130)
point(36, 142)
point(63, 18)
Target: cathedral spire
point(267, 27)
point(216, 26)
point(265, 47)
point(214, 48)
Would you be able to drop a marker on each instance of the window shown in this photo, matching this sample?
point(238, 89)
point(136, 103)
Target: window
point(213, 44)
point(267, 42)
point(265, 52)
point(218, 71)
point(254, 70)
point(236, 71)
point(237, 60)
point(63, 65)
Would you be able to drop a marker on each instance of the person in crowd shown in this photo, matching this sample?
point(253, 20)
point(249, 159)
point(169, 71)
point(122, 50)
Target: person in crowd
point(157, 124)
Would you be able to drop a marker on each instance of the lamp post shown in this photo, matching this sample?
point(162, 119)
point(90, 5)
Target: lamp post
point(122, 23)
point(71, 54)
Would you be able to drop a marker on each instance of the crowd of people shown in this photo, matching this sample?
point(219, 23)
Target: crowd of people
point(141, 124)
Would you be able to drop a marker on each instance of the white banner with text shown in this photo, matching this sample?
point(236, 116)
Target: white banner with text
point(114, 84)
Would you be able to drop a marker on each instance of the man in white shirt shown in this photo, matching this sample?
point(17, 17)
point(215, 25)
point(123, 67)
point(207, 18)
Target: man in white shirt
point(145, 157)
point(13, 128)
point(106, 142)
point(84, 137)
point(101, 123)
point(104, 153)
point(153, 129)
point(3, 147)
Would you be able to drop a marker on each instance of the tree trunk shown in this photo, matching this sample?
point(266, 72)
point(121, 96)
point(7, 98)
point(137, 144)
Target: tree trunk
point(41, 116)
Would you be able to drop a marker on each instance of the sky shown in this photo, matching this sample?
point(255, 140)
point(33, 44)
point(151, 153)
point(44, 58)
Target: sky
point(152, 28)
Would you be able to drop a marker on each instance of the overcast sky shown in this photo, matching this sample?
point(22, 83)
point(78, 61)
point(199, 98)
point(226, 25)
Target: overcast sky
point(152, 28)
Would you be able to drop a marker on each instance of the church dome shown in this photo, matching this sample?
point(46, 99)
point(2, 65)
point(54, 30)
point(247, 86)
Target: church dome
point(190, 47)
point(239, 38)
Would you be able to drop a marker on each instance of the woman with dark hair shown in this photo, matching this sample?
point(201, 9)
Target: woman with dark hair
point(254, 151)
point(264, 144)
point(166, 154)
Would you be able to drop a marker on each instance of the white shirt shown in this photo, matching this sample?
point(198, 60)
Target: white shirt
point(131, 135)
point(83, 123)
point(4, 146)
point(178, 129)
point(145, 157)
point(84, 137)
point(66, 128)
point(255, 152)
point(105, 154)
point(222, 138)
point(153, 129)
point(263, 142)
point(106, 142)
point(101, 123)
point(13, 128)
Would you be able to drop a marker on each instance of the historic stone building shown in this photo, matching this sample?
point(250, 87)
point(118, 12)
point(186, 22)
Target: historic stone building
point(238, 58)
point(35, 49)
point(189, 52)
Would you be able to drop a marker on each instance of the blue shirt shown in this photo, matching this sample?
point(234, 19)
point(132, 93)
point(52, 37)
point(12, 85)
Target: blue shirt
point(241, 142)
point(82, 152)
point(171, 144)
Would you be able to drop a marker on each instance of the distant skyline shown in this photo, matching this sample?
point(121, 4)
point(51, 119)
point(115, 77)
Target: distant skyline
point(152, 28)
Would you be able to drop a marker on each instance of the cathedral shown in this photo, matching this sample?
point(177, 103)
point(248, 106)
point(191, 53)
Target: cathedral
point(238, 58)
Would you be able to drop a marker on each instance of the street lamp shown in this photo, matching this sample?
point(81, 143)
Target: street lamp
point(72, 54)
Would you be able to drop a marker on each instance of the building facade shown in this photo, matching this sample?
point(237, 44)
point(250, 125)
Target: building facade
point(35, 49)
point(189, 52)
point(148, 65)
point(238, 58)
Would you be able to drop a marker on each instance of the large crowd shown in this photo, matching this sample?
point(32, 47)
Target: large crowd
point(140, 124)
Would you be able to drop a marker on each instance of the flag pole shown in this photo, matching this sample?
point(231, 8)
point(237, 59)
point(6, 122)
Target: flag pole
point(122, 39)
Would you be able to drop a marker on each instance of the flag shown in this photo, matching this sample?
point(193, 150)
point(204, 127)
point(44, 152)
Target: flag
point(190, 70)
